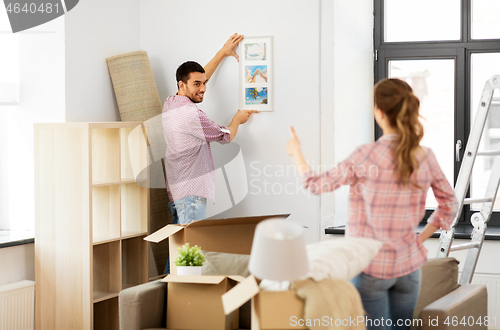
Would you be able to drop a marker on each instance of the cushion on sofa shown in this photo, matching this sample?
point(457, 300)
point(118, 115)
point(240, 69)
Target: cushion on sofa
point(439, 277)
point(343, 258)
point(219, 263)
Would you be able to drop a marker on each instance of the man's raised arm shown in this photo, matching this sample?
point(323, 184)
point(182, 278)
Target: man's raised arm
point(226, 50)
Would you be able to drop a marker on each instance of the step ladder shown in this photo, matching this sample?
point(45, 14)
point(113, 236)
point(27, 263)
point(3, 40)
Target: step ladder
point(479, 219)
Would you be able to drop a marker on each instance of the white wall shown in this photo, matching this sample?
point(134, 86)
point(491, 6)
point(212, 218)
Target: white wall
point(96, 30)
point(347, 105)
point(18, 263)
point(304, 68)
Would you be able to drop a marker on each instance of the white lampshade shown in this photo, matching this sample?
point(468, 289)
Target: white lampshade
point(278, 251)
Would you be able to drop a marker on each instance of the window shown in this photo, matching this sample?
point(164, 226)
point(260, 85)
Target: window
point(485, 22)
point(421, 20)
point(9, 82)
point(32, 61)
point(446, 50)
point(9, 63)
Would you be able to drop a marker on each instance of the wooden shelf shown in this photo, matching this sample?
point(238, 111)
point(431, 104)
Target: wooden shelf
point(107, 270)
point(113, 183)
point(133, 153)
point(105, 155)
point(132, 234)
point(101, 296)
point(134, 268)
point(134, 208)
point(105, 183)
point(105, 213)
point(116, 239)
point(128, 181)
point(126, 286)
point(134, 181)
point(106, 315)
point(91, 218)
point(156, 278)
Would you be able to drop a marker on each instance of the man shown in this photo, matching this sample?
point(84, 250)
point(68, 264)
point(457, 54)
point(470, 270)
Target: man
point(188, 132)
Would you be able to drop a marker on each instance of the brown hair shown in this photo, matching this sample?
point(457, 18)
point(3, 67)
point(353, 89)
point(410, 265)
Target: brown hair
point(185, 69)
point(396, 100)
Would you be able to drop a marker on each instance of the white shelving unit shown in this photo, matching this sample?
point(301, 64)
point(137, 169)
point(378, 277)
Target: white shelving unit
point(91, 218)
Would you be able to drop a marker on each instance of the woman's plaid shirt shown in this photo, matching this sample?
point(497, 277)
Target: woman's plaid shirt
point(381, 208)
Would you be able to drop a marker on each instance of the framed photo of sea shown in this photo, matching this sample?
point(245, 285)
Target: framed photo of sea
point(256, 74)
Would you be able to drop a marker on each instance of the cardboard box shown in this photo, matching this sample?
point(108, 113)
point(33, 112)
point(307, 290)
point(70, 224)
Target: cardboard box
point(194, 302)
point(234, 235)
point(271, 310)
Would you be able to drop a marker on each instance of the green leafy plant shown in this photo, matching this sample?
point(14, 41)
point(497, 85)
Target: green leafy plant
point(189, 256)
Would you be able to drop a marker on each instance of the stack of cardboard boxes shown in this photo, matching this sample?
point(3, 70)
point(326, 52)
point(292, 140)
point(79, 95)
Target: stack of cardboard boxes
point(196, 302)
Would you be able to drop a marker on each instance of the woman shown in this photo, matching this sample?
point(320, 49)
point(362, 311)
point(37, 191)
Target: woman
point(389, 181)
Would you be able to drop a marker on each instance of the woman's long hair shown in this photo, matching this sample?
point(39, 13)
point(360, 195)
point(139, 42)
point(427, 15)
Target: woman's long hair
point(396, 100)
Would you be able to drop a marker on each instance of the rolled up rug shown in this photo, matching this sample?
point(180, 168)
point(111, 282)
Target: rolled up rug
point(135, 86)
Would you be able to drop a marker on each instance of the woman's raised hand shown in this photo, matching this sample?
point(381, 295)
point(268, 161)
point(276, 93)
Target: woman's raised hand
point(293, 146)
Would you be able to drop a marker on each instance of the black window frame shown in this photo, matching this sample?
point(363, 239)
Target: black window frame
point(460, 50)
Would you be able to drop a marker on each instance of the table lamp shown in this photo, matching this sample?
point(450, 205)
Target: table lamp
point(278, 251)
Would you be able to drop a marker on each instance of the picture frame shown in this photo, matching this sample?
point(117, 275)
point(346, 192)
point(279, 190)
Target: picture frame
point(256, 74)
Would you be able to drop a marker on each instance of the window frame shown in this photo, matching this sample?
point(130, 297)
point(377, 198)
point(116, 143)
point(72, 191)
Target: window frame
point(461, 50)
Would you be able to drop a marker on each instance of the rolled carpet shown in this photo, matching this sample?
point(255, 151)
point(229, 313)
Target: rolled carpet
point(135, 86)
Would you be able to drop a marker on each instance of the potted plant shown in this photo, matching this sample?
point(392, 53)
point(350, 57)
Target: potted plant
point(189, 260)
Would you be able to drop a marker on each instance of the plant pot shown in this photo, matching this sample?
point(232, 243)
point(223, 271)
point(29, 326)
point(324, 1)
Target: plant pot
point(189, 270)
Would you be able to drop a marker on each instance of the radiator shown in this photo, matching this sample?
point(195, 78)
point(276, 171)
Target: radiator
point(17, 306)
point(492, 282)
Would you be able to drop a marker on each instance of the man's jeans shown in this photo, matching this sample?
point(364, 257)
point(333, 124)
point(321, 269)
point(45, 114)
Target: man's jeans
point(389, 303)
point(188, 209)
point(184, 211)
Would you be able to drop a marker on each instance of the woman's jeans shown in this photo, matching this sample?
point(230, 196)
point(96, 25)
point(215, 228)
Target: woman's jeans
point(184, 211)
point(389, 303)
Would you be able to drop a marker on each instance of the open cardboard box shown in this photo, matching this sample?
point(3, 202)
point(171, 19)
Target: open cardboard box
point(271, 310)
point(232, 235)
point(194, 302)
